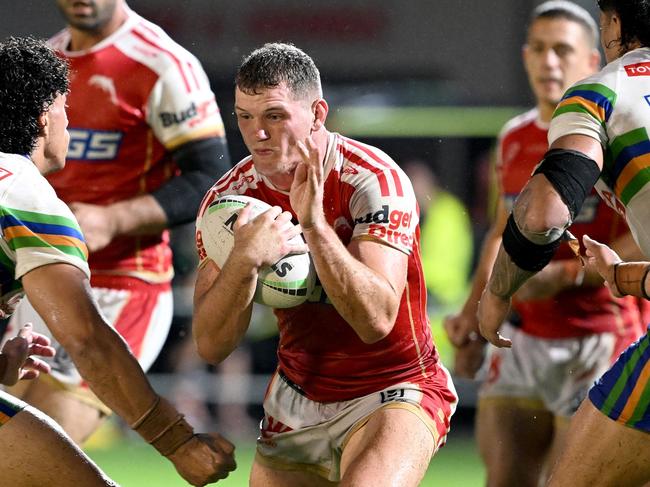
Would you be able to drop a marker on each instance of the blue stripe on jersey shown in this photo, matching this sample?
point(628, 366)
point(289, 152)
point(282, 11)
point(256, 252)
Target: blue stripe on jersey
point(627, 154)
point(9, 409)
point(633, 377)
point(593, 96)
point(7, 221)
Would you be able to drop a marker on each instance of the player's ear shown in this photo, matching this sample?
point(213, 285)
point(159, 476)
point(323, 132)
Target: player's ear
point(320, 110)
point(594, 61)
point(525, 53)
point(43, 127)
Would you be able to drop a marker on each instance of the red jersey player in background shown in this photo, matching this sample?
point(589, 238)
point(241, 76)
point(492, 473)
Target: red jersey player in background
point(568, 328)
point(146, 141)
point(358, 371)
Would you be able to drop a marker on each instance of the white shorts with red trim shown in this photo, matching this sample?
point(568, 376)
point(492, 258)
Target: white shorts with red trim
point(539, 373)
point(141, 314)
point(300, 434)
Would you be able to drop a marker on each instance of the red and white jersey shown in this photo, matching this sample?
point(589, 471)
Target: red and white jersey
point(134, 97)
point(579, 311)
point(366, 195)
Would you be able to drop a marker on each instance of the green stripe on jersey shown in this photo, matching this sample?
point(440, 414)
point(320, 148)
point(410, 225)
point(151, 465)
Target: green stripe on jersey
point(31, 216)
point(619, 387)
point(598, 88)
point(634, 186)
point(20, 243)
point(627, 139)
point(641, 407)
point(576, 108)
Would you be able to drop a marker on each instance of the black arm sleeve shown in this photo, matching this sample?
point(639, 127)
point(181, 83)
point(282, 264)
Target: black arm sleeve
point(201, 162)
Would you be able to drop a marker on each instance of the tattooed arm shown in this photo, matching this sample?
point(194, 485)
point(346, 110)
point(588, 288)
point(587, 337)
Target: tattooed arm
point(541, 216)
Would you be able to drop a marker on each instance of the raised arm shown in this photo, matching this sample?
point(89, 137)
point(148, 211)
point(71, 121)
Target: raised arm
point(544, 209)
point(364, 281)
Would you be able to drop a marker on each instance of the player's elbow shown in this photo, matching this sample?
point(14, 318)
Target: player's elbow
point(377, 332)
point(540, 208)
point(209, 352)
point(540, 217)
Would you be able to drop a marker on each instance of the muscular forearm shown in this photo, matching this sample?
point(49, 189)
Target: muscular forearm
point(506, 277)
point(61, 294)
point(363, 297)
point(222, 310)
point(111, 371)
point(141, 215)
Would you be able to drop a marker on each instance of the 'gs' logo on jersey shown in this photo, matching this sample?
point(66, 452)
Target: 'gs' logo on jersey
point(93, 145)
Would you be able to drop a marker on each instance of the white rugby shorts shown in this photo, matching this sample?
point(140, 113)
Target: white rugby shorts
point(541, 373)
point(300, 434)
point(142, 316)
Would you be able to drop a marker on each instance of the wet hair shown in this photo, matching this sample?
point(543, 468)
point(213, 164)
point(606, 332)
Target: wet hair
point(276, 63)
point(563, 9)
point(635, 20)
point(31, 77)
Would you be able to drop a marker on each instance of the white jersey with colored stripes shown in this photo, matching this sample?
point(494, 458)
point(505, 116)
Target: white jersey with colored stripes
point(367, 196)
point(37, 228)
point(613, 107)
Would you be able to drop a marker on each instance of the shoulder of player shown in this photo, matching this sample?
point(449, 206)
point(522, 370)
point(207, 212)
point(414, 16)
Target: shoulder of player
point(237, 179)
point(22, 185)
point(358, 158)
point(598, 86)
point(148, 44)
point(60, 40)
point(518, 123)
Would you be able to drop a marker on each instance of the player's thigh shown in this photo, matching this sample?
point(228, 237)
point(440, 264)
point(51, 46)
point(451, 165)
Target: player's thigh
point(602, 452)
point(514, 437)
point(561, 431)
point(77, 417)
point(393, 448)
point(263, 476)
point(35, 451)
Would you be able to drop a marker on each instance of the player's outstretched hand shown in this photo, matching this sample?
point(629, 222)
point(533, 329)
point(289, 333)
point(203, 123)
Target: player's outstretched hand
point(602, 258)
point(17, 360)
point(492, 311)
point(205, 459)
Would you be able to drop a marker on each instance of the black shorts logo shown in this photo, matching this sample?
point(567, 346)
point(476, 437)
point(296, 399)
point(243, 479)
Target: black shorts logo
point(392, 395)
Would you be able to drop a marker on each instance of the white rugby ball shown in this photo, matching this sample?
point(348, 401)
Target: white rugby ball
point(285, 284)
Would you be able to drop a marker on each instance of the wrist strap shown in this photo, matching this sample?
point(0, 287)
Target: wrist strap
point(163, 427)
point(629, 278)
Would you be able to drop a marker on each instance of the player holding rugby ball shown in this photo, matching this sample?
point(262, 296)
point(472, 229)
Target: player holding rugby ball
point(358, 369)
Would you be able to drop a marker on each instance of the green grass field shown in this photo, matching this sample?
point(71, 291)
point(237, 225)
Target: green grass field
point(131, 463)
